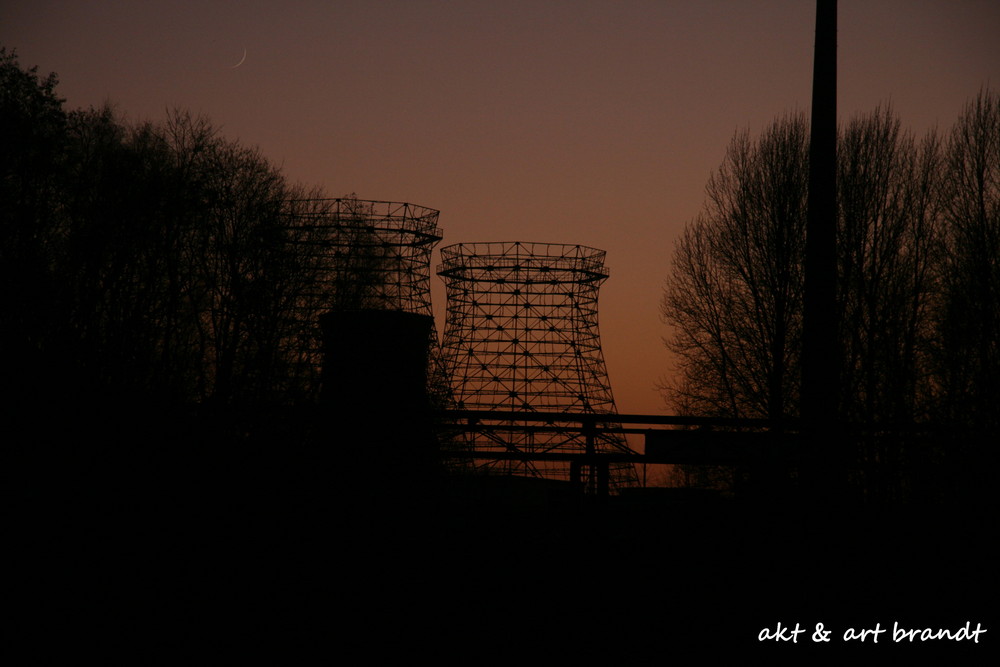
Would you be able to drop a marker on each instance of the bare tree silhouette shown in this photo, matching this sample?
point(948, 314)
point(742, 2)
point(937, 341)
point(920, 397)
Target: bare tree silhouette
point(145, 264)
point(968, 317)
point(915, 248)
point(735, 293)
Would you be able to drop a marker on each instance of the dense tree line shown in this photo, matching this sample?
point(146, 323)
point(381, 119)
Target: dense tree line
point(918, 257)
point(146, 262)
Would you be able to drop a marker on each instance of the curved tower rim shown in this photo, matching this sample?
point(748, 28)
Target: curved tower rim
point(538, 262)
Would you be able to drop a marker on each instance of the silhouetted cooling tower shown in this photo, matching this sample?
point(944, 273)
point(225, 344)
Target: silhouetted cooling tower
point(521, 335)
point(369, 335)
point(369, 268)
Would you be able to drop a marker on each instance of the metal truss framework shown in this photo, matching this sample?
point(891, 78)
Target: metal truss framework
point(361, 255)
point(521, 334)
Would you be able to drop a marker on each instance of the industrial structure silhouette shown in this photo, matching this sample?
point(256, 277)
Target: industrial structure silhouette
point(366, 256)
point(522, 336)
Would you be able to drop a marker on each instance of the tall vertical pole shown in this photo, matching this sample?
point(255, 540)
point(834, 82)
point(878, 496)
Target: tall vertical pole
point(820, 355)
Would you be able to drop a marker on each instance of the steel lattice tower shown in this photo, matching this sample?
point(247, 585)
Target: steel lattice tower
point(521, 335)
point(361, 255)
point(372, 255)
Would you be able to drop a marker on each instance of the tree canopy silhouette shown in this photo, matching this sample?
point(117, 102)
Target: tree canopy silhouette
point(145, 262)
point(918, 231)
point(735, 293)
point(967, 314)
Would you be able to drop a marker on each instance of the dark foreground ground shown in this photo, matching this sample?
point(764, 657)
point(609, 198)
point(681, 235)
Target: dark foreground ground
point(174, 553)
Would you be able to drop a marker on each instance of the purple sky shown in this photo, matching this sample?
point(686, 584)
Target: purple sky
point(583, 121)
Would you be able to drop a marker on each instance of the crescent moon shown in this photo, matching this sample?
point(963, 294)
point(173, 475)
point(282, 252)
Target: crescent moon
point(241, 60)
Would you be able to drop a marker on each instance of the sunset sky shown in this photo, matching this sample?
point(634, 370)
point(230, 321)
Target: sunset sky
point(586, 121)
